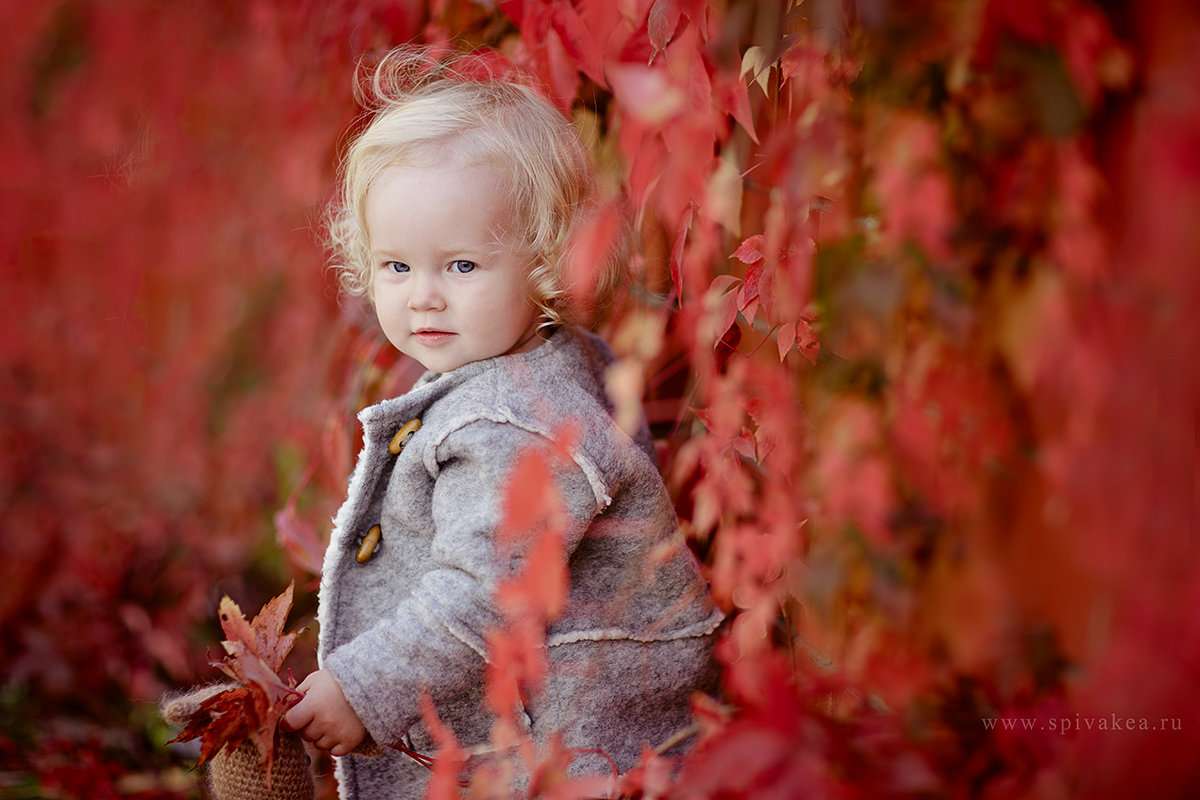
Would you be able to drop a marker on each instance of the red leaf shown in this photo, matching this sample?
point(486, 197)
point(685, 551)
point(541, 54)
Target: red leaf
point(651, 777)
point(786, 338)
point(220, 720)
point(733, 98)
point(532, 501)
point(750, 250)
point(582, 45)
point(252, 710)
point(727, 345)
point(749, 308)
point(505, 667)
point(721, 287)
point(590, 249)
point(749, 292)
point(299, 540)
point(677, 252)
point(534, 520)
point(264, 636)
point(661, 24)
point(546, 576)
point(451, 758)
point(722, 284)
point(648, 155)
point(806, 340)
point(233, 622)
point(564, 75)
point(728, 315)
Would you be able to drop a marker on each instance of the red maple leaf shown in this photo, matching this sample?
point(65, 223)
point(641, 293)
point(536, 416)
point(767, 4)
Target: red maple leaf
point(253, 707)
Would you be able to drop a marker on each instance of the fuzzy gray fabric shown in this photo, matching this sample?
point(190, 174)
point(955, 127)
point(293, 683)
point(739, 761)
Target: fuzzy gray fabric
point(635, 639)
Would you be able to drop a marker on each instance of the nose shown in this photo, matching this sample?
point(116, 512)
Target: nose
point(425, 293)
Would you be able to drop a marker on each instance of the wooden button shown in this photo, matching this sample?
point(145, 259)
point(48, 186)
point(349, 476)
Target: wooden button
point(402, 436)
point(370, 544)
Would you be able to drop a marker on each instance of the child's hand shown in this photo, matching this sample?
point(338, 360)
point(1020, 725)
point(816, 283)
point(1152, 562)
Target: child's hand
point(324, 717)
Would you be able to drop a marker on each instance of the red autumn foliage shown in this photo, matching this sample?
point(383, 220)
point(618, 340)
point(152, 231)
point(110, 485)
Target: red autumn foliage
point(252, 708)
point(912, 313)
point(533, 525)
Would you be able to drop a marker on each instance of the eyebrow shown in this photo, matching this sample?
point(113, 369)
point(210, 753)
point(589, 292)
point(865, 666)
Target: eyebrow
point(492, 249)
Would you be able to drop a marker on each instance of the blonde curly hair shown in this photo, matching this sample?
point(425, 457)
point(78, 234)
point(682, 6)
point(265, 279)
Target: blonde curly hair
point(420, 104)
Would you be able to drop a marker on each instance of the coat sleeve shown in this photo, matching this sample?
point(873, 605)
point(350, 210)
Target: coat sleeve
point(436, 640)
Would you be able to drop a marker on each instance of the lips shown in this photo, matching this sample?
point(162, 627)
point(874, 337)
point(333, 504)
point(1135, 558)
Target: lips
point(429, 336)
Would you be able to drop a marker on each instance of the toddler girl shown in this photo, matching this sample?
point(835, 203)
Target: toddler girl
point(458, 203)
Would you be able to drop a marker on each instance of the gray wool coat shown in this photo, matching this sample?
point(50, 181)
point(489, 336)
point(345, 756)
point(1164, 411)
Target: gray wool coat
point(634, 641)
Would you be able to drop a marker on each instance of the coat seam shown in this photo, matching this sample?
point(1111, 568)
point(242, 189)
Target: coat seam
point(466, 636)
point(504, 416)
point(696, 630)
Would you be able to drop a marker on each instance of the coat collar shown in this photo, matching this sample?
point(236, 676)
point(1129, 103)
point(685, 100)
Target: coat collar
point(432, 386)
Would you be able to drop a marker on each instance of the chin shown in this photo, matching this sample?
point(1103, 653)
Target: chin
point(441, 364)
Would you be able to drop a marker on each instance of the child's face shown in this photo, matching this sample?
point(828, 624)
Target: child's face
point(447, 291)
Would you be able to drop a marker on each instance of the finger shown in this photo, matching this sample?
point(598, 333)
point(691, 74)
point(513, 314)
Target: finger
point(299, 717)
point(314, 735)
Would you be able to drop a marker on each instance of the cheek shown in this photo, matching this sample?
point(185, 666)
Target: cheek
point(389, 308)
point(520, 292)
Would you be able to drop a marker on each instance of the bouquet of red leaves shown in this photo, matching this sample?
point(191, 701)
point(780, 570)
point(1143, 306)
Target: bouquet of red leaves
point(242, 717)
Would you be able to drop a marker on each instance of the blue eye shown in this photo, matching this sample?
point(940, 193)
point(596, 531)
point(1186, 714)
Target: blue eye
point(463, 267)
point(396, 266)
